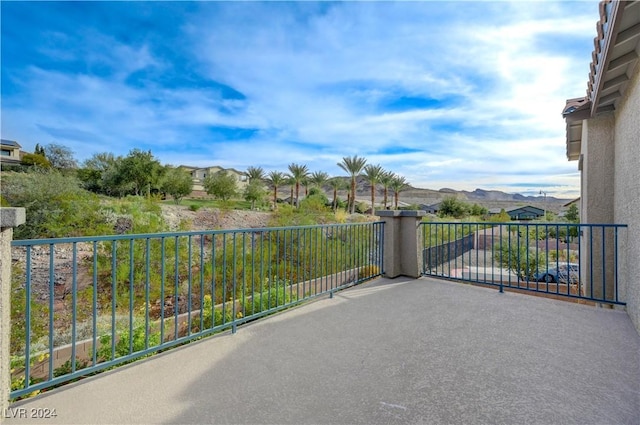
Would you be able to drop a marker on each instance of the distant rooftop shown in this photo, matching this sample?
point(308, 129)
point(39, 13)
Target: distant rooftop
point(10, 143)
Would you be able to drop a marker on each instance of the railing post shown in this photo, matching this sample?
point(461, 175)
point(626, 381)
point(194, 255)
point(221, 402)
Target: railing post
point(9, 218)
point(402, 247)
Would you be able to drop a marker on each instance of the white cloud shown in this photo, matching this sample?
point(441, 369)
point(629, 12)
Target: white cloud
point(317, 78)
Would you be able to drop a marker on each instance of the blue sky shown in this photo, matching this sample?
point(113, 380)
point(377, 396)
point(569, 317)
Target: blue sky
point(447, 94)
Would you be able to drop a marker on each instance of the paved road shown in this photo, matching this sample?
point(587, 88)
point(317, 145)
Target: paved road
point(388, 352)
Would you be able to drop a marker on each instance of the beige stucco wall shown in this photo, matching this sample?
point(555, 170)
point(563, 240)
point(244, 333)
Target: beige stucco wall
point(627, 192)
point(598, 176)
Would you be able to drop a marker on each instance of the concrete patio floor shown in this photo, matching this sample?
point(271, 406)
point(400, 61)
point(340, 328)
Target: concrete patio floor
point(389, 351)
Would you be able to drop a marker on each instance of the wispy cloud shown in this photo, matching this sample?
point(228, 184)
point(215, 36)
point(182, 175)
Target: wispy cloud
point(447, 94)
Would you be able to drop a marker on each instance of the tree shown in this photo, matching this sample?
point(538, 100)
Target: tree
point(478, 210)
point(513, 254)
point(385, 180)
point(60, 157)
point(221, 185)
point(373, 173)
point(254, 174)
point(453, 207)
point(276, 179)
point(398, 184)
point(503, 217)
point(318, 178)
point(39, 150)
point(32, 159)
point(254, 192)
point(298, 173)
point(353, 166)
point(140, 169)
point(177, 183)
point(336, 184)
point(572, 215)
point(93, 170)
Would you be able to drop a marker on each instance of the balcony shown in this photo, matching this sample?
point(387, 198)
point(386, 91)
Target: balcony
point(388, 351)
point(302, 328)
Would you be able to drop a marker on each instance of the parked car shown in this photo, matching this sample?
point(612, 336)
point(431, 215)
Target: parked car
point(563, 273)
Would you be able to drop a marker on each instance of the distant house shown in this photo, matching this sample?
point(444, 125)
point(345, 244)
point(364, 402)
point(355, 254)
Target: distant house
point(9, 151)
point(430, 209)
point(526, 212)
point(198, 174)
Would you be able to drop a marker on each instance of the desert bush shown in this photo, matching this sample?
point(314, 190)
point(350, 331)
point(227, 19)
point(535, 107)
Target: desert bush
point(368, 271)
point(55, 205)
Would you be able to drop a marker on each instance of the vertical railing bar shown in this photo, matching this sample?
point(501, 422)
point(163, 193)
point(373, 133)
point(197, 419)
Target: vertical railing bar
point(244, 272)
point(493, 255)
point(261, 252)
point(537, 262)
point(114, 252)
point(176, 289)
point(527, 255)
point(224, 278)
point(316, 257)
point(324, 249)
point(253, 273)
point(162, 281)
point(74, 303)
point(604, 263)
point(557, 291)
point(476, 242)
point(277, 276)
point(300, 261)
point(202, 265)
point(580, 260)
point(591, 295)
point(147, 284)
point(51, 310)
point(131, 307)
point(94, 332)
point(234, 295)
point(213, 282)
point(501, 250)
point(294, 277)
point(189, 283)
point(615, 263)
point(27, 320)
point(270, 266)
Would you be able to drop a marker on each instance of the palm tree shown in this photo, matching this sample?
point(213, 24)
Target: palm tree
point(352, 165)
point(398, 184)
point(336, 184)
point(373, 173)
point(385, 181)
point(318, 178)
point(276, 179)
point(254, 174)
point(298, 174)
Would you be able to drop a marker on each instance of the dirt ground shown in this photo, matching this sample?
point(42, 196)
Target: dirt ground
point(211, 218)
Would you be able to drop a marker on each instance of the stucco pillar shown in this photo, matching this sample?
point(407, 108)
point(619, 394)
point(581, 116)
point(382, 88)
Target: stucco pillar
point(598, 177)
point(9, 218)
point(402, 249)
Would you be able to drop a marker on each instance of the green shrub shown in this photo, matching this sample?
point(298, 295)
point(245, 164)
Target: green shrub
point(122, 348)
point(278, 295)
point(55, 205)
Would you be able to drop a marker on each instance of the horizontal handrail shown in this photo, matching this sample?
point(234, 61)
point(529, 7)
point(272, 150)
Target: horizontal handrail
point(84, 304)
point(578, 261)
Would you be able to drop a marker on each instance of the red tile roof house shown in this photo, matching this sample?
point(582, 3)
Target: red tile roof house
point(603, 134)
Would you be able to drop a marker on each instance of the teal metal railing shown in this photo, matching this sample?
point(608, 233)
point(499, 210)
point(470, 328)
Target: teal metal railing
point(81, 305)
point(577, 261)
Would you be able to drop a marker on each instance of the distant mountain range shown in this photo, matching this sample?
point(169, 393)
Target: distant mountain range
point(496, 195)
point(486, 198)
